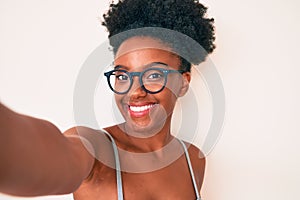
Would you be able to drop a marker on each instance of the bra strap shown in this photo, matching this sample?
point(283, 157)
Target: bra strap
point(118, 166)
point(191, 170)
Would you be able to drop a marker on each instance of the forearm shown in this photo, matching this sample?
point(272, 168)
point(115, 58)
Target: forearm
point(36, 159)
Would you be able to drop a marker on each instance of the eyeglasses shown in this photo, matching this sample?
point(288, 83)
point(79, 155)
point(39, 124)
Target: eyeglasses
point(152, 80)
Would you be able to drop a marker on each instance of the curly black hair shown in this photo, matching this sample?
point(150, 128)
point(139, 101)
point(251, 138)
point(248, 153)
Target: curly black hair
point(184, 16)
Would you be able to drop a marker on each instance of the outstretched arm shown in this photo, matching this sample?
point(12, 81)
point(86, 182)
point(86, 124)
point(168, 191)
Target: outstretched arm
point(37, 159)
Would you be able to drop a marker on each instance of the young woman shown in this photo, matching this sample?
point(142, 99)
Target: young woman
point(152, 69)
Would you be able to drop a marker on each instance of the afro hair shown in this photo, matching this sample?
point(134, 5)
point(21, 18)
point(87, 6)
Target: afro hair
point(184, 16)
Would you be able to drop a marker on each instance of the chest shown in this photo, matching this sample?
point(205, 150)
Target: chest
point(171, 182)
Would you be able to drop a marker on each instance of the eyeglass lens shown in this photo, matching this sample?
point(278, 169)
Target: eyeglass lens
point(152, 80)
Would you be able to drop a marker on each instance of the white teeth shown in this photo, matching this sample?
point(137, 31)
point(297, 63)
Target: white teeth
point(140, 108)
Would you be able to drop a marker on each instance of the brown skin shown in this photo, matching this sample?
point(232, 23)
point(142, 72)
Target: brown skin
point(67, 161)
point(35, 157)
point(170, 182)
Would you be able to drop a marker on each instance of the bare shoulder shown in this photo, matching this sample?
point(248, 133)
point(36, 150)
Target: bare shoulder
point(78, 130)
point(83, 135)
point(198, 162)
point(89, 135)
point(91, 138)
point(194, 152)
point(98, 141)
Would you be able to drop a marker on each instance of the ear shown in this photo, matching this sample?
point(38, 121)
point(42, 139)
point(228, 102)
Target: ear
point(186, 78)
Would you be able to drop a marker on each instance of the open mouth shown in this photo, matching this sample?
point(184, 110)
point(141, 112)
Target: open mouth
point(139, 111)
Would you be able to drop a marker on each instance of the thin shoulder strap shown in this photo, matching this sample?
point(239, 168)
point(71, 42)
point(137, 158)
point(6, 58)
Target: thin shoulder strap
point(191, 170)
point(118, 166)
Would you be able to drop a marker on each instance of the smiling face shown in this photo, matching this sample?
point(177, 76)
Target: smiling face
point(146, 114)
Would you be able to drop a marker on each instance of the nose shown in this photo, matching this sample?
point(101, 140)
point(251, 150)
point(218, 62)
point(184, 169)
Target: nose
point(136, 89)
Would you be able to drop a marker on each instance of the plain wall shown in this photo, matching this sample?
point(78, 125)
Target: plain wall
point(44, 44)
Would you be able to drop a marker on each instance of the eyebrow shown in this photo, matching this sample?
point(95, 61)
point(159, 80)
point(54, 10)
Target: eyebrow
point(120, 66)
point(144, 66)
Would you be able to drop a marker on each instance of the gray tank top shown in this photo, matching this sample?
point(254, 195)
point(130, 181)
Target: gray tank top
point(118, 168)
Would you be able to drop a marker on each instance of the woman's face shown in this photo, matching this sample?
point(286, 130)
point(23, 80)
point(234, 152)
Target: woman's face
point(146, 114)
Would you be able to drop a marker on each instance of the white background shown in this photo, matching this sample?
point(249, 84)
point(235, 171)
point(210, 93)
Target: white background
point(44, 43)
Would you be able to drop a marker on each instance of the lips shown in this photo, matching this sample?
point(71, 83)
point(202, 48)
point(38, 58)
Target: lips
point(140, 110)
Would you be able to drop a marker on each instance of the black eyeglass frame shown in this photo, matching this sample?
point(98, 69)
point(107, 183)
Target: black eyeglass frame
point(140, 75)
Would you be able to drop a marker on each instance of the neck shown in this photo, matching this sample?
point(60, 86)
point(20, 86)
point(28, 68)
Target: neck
point(144, 143)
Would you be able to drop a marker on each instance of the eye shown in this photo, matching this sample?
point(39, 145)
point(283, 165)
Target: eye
point(155, 75)
point(122, 77)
